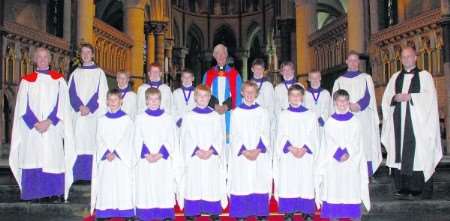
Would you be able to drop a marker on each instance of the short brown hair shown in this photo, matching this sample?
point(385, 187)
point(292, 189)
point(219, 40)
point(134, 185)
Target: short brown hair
point(87, 45)
point(156, 65)
point(152, 91)
point(249, 84)
point(353, 52)
point(114, 92)
point(202, 87)
point(296, 87)
point(186, 70)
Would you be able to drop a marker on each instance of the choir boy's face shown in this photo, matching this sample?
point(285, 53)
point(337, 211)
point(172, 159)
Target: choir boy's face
point(42, 59)
point(187, 79)
point(122, 80)
point(114, 102)
point(154, 74)
point(258, 71)
point(202, 98)
point(249, 94)
point(314, 78)
point(342, 104)
point(295, 98)
point(153, 101)
point(86, 55)
point(352, 62)
point(287, 72)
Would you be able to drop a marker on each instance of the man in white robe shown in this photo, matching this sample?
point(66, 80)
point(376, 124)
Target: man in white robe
point(202, 139)
point(87, 90)
point(364, 106)
point(42, 150)
point(111, 190)
point(157, 155)
point(410, 131)
point(342, 181)
point(128, 96)
point(183, 97)
point(154, 81)
point(250, 161)
point(297, 147)
point(317, 99)
point(287, 70)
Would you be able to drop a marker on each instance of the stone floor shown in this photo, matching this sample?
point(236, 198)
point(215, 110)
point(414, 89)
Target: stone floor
point(384, 208)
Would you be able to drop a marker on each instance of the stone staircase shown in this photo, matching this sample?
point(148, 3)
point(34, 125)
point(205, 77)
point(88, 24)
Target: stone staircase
point(384, 208)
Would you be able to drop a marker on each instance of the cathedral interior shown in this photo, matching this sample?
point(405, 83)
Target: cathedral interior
point(129, 35)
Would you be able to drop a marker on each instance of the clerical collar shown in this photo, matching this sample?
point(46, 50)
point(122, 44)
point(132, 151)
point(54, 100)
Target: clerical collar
point(300, 108)
point(155, 83)
point(314, 90)
point(259, 80)
point(351, 74)
point(89, 66)
point(412, 71)
point(115, 115)
point(189, 88)
point(43, 71)
point(224, 68)
point(292, 81)
point(342, 117)
point(204, 110)
point(155, 113)
point(243, 105)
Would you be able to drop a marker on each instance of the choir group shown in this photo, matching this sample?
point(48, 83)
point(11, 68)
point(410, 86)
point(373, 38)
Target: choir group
point(222, 143)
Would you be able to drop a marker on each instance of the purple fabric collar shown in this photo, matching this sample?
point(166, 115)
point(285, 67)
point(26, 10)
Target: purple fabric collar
point(43, 71)
point(115, 115)
point(342, 117)
point(351, 74)
point(155, 113)
point(247, 107)
point(91, 66)
point(200, 110)
point(260, 80)
point(124, 91)
point(314, 90)
point(190, 88)
point(292, 81)
point(298, 109)
point(155, 83)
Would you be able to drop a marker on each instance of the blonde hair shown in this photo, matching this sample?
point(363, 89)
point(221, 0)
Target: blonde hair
point(250, 84)
point(152, 91)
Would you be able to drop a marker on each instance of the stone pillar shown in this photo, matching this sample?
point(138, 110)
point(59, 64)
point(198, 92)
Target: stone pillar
point(155, 46)
point(159, 48)
point(150, 49)
point(286, 26)
point(401, 10)
point(305, 24)
point(2, 117)
point(86, 13)
point(374, 23)
point(67, 20)
point(181, 53)
point(445, 24)
point(244, 54)
point(355, 26)
point(134, 27)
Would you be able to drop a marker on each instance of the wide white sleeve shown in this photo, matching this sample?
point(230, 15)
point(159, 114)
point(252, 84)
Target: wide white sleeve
point(102, 91)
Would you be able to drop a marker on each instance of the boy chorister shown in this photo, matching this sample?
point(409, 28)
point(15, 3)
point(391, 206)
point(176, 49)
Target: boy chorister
point(250, 161)
point(156, 152)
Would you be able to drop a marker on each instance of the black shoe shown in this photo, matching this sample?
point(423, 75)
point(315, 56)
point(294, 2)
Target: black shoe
point(307, 217)
point(214, 217)
point(289, 217)
point(168, 219)
point(400, 195)
point(190, 218)
point(262, 218)
point(240, 219)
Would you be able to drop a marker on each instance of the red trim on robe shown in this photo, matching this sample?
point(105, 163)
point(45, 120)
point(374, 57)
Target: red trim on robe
point(33, 76)
point(212, 73)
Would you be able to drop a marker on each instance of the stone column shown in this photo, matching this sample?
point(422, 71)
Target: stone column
point(86, 13)
point(243, 55)
point(181, 53)
point(150, 49)
point(445, 24)
point(67, 20)
point(156, 28)
point(355, 26)
point(134, 27)
point(305, 24)
point(374, 16)
point(401, 10)
point(287, 26)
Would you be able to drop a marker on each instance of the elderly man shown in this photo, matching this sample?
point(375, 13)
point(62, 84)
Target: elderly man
point(42, 149)
point(364, 106)
point(225, 83)
point(411, 128)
